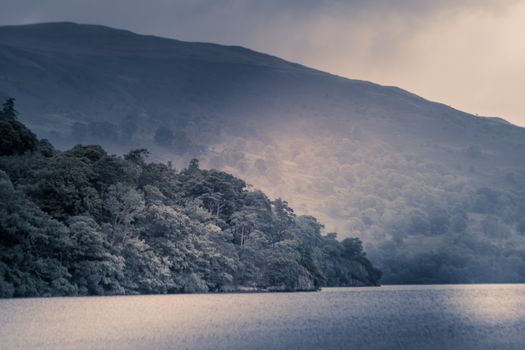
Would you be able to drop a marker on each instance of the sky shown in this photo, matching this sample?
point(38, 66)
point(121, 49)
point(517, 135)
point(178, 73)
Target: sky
point(469, 54)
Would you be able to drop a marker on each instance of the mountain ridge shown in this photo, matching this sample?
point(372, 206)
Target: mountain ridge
point(103, 29)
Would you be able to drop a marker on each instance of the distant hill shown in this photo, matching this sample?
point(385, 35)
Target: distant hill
point(436, 194)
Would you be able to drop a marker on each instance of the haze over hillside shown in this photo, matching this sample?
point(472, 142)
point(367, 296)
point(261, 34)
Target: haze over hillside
point(436, 194)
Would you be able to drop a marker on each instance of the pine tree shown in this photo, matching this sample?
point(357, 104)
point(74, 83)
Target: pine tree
point(9, 111)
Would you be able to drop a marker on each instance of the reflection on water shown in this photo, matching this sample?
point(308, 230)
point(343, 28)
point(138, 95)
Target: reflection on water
point(391, 317)
point(495, 304)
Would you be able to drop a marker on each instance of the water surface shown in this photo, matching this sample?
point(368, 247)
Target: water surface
point(389, 317)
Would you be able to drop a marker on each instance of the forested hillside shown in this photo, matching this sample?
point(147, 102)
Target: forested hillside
point(84, 222)
point(435, 194)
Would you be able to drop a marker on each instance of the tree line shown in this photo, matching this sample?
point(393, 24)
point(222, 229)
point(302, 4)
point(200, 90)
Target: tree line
point(85, 222)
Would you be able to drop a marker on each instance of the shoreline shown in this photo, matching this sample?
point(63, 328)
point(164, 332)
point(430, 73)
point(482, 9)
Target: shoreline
point(245, 290)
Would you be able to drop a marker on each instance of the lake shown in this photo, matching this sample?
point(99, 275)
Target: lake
point(388, 317)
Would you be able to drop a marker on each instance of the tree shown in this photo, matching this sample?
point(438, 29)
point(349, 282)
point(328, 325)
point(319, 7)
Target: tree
point(284, 217)
point(33, 247)
point(65, 187)
point(137, 156)
point(9, 111)
point(243, 224)
point(123, 204)
point(15, 137)
point(46, 148)
point(95, 269)
point(194, 165)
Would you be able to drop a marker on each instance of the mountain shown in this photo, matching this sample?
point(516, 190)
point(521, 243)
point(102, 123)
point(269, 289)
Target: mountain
point(436, 194)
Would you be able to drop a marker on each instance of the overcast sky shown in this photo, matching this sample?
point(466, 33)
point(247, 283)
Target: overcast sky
point(469, 54)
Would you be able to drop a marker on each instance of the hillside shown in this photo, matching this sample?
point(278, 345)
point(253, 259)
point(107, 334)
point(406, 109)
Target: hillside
point(437, 195)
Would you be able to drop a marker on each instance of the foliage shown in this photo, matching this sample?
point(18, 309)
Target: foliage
point(83, 222)
point(456, 219)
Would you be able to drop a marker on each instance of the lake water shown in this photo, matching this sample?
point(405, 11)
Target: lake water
point(389, 317)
